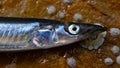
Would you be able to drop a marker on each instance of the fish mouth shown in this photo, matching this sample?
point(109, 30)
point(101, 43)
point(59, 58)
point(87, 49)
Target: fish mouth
point(95, 37)
point(97, 32)
point(94, 44)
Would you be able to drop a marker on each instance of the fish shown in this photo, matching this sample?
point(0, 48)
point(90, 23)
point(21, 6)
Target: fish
point(20, 34)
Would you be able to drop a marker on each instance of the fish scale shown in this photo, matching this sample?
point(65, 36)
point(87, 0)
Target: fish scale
point(16, 29)
point(16, 34)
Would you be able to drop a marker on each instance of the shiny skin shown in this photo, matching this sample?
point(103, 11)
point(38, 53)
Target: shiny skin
point(41, 33)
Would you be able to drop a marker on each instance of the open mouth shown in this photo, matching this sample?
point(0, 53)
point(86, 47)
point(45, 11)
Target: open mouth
point(93, 44)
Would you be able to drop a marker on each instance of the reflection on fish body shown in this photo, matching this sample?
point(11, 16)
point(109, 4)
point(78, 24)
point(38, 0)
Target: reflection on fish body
point(28, 33)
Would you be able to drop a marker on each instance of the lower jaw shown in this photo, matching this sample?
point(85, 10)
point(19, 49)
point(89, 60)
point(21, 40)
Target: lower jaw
point(94, 44)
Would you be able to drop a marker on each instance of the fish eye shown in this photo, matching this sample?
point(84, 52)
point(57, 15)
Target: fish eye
point(73, 29)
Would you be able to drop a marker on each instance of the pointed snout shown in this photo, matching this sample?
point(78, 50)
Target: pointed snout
point(90, 28)
point(99, 28)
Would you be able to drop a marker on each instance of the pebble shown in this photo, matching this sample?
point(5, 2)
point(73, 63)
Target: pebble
point(114, 32)
point(108, 61)
point(67, 1)
point(115, 50)
point(71, 62)
point(118, 59)
point(62, 14)
point(51, 9)
point(77, 17)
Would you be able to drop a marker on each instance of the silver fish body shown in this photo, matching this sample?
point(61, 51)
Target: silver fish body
point(17, 34)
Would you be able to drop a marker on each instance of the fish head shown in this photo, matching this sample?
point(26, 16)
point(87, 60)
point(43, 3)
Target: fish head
point(64, 34)
point(74, 32)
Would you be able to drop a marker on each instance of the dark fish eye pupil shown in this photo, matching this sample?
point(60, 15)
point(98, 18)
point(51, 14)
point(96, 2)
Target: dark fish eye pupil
point(74, 28)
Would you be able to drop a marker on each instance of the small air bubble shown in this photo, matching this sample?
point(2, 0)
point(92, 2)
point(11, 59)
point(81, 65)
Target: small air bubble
point(115, 50)
point(67, 1)
point(77, 17)
point(71, 62)
point(118, 59)
point(108, 61)
point(61, 14)
point(114, 32)
point(51, 9)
